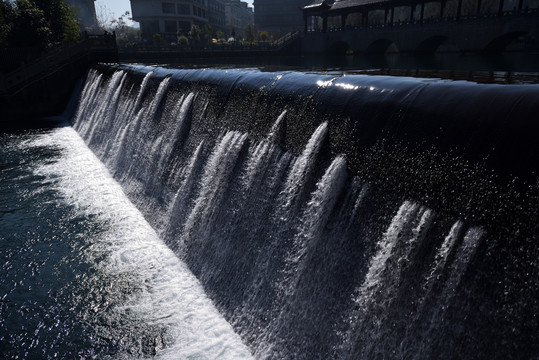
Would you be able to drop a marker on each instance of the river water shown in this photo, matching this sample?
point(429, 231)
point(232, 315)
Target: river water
point(82, 274)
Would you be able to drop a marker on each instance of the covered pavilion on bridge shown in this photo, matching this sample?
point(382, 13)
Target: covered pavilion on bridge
point(328, 15)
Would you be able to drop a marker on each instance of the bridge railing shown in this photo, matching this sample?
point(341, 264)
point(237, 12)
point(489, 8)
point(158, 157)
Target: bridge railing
point(287, 39)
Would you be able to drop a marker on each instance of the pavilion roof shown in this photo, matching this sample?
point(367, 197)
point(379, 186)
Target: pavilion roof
point(343, 4)
point(319, 7)
point(318, 3)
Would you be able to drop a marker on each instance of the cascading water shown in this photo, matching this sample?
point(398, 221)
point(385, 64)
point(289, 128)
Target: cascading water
point(335, 217)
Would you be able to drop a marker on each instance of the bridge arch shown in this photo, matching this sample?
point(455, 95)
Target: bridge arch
point(500, 43)
point(431, 44)
point(338, 48)
point(382, 46)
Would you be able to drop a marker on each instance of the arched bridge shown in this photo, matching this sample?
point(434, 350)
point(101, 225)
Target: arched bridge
point(421, 26)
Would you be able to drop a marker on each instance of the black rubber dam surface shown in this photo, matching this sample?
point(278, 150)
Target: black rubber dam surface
point(324, 215)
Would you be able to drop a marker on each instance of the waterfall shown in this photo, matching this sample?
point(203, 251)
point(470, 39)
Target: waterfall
point(332, 217)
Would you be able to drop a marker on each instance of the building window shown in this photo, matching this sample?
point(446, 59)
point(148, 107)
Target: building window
point(171, 26)
point(168, 8)
point(199, 12)
point(185, 26)
point(149, 27)
point(184, 9)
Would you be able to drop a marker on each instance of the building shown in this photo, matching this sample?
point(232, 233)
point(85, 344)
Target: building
point(168, 17)
point(238, 14)
point(85, 11)
point(217, 14)
point(279, 16)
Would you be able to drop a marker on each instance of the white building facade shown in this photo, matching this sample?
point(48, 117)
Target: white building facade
point(170, 17)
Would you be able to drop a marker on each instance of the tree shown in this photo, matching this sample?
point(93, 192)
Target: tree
point(120, 24)
point(71, 26)
point(208, 32)
point(249, 33)
point(36, 23)
point(124, 33)
point(7, 13)
point(194, 34)
point(183, 41)
point(104, 17)
point(263, 36)
point(157, 40)
point(220, 34)
point(29, 27)
point(61, 18)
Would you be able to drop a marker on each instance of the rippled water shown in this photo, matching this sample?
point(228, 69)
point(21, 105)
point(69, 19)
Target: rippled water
point(82, 274)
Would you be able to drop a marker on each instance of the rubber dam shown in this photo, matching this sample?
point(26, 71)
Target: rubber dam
point(326, 215)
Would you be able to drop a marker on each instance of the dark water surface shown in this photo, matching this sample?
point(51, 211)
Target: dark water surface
point(45, 279)
point(65, 289)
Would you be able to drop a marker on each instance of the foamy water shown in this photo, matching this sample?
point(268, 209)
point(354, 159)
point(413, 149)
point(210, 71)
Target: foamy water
point(165, 293)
